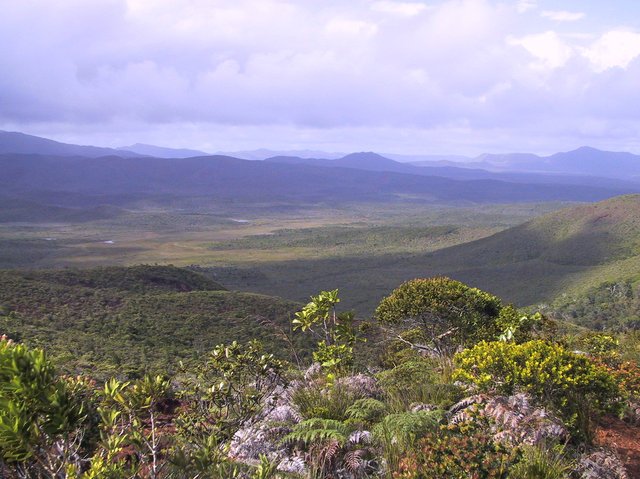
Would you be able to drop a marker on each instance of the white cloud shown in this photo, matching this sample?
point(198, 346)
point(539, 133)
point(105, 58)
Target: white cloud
point(562, 15)
point(408, 9)
point(341, 68)
point(343, 26)
point(524, 6)
point(613, 49)
point(549, 49)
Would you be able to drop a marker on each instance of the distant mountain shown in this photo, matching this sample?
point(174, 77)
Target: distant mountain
point(262, 154)
point(161, 152)
point(36, 177)
point(582, 161)
point(370, 161)
point(14, 142)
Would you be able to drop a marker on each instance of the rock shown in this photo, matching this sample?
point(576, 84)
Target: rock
point(601, 464)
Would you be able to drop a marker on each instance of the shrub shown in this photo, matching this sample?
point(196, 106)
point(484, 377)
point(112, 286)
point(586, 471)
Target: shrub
point(545, 370)
point(542, 462)
point(451, 453)
point(448, 311)
point(414, 382)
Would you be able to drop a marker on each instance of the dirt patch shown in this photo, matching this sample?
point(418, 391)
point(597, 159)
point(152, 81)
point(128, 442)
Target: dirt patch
point(622, 438)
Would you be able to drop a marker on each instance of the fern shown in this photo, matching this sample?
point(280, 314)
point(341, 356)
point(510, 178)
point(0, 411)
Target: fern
point(318, 431)
point(366, 410)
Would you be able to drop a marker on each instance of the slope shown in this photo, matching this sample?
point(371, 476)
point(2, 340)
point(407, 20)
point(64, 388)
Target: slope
point(125, 321)
point(569, 251)
point(20, 143)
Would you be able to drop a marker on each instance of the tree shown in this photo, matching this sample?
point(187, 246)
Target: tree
point(449, 313)
point(336, 331)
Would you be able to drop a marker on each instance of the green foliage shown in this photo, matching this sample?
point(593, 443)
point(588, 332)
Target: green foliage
point(318, 430)
point(336, 332)
point(555, 376)
point(520, 328)
point(236, 382)
point(417, 381)
point(449, 312)
point(42, 417)
point(542, 462)
point(397, 433)
point(324, 401)
point(366, 411)
point(136, 325)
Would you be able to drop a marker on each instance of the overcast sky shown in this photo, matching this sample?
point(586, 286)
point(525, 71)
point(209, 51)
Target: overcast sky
point(460, 77)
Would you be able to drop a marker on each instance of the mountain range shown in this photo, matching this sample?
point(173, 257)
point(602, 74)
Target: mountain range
point(43, 171)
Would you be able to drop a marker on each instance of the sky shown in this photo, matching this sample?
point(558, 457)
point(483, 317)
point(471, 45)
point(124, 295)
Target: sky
point(434, 77)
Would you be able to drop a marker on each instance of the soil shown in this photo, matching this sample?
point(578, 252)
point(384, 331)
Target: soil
point(622, 438)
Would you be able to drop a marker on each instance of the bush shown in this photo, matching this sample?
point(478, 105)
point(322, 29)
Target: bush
point(448, 311)
point(450, 453)
point(416, 381)
point(557, 377)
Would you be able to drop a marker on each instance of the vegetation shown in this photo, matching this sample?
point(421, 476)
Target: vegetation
point(240, 411)
point(131, 321)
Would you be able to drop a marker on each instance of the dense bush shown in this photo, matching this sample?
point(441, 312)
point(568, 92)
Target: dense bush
point(566, 380)
point(449, 312)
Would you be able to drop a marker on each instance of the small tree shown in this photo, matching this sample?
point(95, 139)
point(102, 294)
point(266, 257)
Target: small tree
point(43, 417)
point(449, 313)
point(336, 332)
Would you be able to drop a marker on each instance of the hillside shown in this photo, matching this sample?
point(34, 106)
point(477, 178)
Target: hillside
point(127, 320)
point(20, 143)
point(566, 252)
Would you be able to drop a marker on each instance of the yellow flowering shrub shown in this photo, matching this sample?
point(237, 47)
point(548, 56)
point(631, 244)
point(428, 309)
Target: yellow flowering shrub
point(547, 371)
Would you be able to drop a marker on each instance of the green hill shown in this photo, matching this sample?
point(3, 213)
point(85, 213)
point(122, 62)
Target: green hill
point(563, 254)
point(124, 321)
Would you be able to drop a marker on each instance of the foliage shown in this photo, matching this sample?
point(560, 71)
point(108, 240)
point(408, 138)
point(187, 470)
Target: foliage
point(43, 418)
point(366, 411)
point(324, 401)
point(145, 321)
point(545, 370)
point(417, 381)
point(518, 327)
point(542, 462)
point(336, 332)
point(397, 433)
point(453, 453)
point(449, 312)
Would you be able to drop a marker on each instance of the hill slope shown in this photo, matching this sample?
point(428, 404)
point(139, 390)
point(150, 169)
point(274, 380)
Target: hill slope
point(20, 143)
point(569, 251)
point(125, 321)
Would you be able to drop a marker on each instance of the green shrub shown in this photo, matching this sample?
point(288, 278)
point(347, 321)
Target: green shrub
point(557, 377)
point(542, 462)
point(449, 312)
point(416, 381)
point(326, 402)
point(397, 433)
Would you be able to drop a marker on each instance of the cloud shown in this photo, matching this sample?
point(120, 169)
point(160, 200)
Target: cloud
point(458, 70)
point(614, 49)
point(524, 6)
point(562, 15)
point(548, 48)
point(408, 9)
